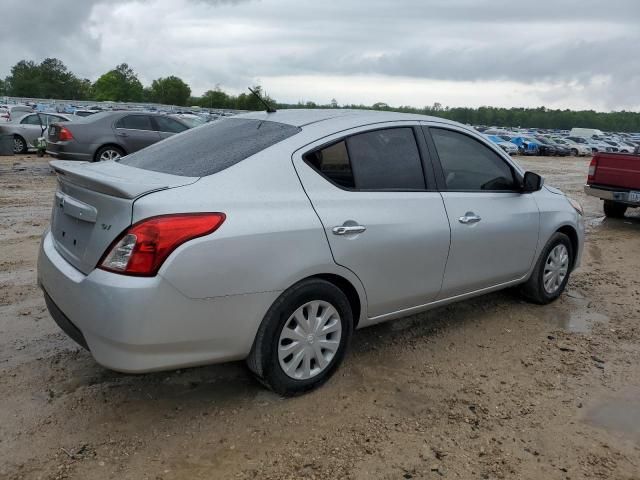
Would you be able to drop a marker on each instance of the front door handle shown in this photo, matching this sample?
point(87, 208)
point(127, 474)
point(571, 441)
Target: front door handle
point(469, 217)
point(348, 229)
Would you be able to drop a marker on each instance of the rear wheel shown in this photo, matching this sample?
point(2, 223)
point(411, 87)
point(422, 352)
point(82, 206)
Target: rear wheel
point(19, 144)
point(552, 270)
point(574, 152)
point(303, 338)
point(109, 152)
point(614, 209)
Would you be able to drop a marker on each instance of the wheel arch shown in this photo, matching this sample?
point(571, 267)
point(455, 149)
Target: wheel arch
point(348, 289)
point(571, 232)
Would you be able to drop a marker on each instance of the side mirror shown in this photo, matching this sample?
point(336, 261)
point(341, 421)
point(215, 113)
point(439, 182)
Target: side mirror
point(532, 182)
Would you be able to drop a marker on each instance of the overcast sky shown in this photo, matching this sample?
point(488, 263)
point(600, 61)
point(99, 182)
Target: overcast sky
point(558, 53)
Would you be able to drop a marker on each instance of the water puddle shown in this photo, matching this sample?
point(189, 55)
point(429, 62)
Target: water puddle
point(575, 317)
point(620, 414)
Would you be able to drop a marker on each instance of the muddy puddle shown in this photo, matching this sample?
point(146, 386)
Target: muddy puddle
point(617, 414)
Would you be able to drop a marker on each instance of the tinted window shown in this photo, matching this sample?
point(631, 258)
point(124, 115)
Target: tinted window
point(169, 125)
point(56, 118)
point(333, 163)
point(379, 160)
point(386, 160)
point(135, 122)
point(211, 148)
point(467, 164)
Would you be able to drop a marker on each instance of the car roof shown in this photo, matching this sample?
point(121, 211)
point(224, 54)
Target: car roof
point(302, 116)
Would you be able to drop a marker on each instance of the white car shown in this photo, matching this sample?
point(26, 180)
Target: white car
point(577, 149)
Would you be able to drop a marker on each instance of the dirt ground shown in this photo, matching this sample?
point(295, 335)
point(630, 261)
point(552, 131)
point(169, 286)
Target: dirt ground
point(488, 388)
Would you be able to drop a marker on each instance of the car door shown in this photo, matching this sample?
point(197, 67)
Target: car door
point(382, 219)
point(30, 128)
point(168, 127)
point(494, 227)
point(135, 131)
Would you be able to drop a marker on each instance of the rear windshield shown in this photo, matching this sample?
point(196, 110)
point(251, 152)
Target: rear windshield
point(210, 148)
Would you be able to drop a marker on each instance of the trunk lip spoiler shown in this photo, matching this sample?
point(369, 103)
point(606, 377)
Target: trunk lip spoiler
point(101, 177)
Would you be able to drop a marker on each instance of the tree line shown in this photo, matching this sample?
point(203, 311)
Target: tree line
point(51, 79)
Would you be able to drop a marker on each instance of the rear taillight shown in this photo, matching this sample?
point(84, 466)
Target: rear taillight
point(593, 166)
point(64, 134)
point(143, 248)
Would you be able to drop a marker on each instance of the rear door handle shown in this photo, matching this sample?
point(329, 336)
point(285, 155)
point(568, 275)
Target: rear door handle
point(122, 134)
point(348, 229)
point(469, 217)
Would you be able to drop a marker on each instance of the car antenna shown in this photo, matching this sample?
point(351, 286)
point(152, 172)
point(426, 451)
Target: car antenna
point(270, 109)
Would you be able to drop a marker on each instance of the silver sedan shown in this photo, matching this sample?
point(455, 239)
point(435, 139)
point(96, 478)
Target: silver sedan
point(27, 128)
point(271, 237)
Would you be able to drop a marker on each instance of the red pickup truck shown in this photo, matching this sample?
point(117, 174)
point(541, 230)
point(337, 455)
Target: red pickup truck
point(615, 178)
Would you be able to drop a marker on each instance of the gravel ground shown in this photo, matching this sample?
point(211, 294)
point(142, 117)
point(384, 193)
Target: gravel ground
point(488, 388)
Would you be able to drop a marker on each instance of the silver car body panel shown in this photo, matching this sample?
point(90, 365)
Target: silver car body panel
point(210, 295)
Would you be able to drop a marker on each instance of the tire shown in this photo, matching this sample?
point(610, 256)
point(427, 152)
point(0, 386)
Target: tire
point(110, 151)
point(614, 209)
point(269, 355)
point(574, 152)
point(19, 144)
point(535, 289)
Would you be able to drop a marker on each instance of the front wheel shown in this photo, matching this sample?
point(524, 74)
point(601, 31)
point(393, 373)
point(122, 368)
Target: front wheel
point(552, 270)
point(614, 209)
point(303, 338)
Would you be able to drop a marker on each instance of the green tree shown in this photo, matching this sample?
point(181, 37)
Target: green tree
point(119, 85)
point(24, 79)
point(215, 99)
point(170, 91)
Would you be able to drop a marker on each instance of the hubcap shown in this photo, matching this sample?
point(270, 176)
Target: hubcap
point(556, 268)
point(17, 145)
point(309, 340)
point(109, 155)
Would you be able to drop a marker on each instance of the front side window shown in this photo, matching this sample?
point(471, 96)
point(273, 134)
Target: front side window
point(379, 160)
point(467, 164)
point(135, 122)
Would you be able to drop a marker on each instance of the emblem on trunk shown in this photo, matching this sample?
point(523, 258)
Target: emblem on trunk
point(106, 227)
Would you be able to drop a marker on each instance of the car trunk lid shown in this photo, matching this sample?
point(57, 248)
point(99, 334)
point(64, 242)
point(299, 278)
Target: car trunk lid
point(93, 205)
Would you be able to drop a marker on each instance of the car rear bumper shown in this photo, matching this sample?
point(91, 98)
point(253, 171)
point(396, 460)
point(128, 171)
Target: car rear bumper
point(620, 196)
point(135, 324)
point(64, 151)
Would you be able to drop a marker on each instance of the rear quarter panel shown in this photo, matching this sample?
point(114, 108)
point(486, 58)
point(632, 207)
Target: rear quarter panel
point(271, 238)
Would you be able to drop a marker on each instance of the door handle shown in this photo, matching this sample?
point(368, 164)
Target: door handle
point(348, 229)
point(122, 134)
point(469, 218)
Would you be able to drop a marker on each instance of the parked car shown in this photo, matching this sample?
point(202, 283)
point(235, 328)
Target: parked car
point(526, 145)
point(13, 112)
point(509, 147)
point(595, 145)
point(552, 148)
point(28, 128)
point(615, 178)
point(110, 135)
point(576, 149)
point(272, 236)
point(84, 113)
point(191, 120)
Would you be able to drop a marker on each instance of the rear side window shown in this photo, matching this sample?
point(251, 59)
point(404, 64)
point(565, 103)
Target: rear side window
point(467, 164)
point(169, 125)
point(31, 120)
point(379, 160)
point(135, 122)
point(211, 148)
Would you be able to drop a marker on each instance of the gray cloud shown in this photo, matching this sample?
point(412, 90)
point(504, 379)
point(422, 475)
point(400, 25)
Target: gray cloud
point(577, 49)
